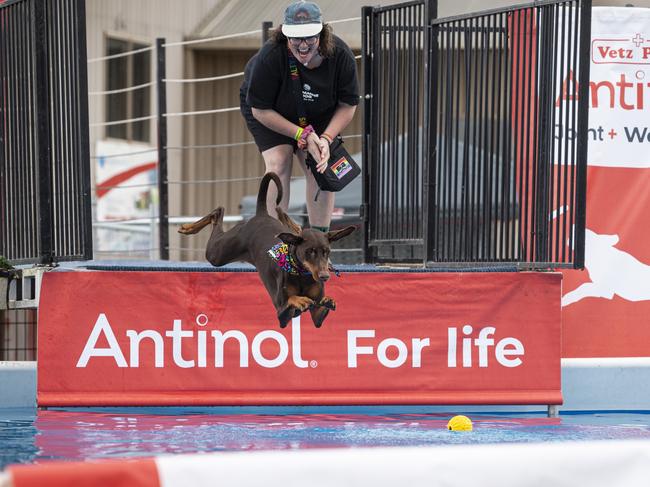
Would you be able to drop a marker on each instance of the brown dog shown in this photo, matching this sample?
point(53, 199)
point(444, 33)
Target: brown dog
point(292, 266)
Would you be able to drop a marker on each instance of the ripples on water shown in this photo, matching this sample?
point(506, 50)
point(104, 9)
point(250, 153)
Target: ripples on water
point(30, 436)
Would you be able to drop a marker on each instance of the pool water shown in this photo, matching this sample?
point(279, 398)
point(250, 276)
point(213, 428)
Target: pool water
point(30, 436)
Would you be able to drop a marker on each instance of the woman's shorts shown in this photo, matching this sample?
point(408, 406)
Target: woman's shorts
point(264, 137)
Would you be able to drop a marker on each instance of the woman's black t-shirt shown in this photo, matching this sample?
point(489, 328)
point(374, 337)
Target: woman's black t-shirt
point(267, 83)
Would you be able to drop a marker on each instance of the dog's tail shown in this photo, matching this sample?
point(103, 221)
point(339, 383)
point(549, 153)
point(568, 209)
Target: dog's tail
point(264, 188)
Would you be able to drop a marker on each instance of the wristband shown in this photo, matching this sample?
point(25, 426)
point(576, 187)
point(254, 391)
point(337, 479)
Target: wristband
point(327, 137)
point(306, 132)
point(298, 134)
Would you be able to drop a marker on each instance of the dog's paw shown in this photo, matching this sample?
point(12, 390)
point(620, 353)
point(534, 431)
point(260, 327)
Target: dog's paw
point(318, 315)
point(300, 302)
point(295, 306)
point(187, 229)
point(215, 217)
point(284, 316)
point(328, 303)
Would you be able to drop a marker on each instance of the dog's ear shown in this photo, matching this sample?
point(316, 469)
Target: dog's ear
point(339, 234)
point(290, 238)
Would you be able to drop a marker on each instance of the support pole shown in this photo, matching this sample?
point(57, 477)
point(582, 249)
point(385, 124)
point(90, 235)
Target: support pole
point(266, 31)
point(163, 195)
point(43, 139)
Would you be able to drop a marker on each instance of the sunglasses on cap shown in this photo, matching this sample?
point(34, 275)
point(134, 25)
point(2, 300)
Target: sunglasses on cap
point(296, 41)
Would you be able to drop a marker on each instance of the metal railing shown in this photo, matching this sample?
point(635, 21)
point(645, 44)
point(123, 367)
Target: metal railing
point(44, 157)
point(465, 162)
point(394, 48)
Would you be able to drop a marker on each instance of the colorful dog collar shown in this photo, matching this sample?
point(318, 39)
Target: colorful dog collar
point(287, 262)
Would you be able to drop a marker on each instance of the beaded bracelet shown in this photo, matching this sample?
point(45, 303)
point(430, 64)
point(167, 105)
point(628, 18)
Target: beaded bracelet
point(327, 137)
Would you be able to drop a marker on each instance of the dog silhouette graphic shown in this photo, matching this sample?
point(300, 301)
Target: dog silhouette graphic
point(612, 272)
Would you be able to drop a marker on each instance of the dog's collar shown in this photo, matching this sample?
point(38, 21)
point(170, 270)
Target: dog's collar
point(280, 254)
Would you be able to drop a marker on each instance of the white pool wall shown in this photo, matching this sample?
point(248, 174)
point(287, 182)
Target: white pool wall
point(588, 384)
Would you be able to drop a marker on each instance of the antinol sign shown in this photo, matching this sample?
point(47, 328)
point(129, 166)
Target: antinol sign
point(212, 338)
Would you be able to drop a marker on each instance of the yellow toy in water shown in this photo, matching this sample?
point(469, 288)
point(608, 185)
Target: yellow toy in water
point(459, 423)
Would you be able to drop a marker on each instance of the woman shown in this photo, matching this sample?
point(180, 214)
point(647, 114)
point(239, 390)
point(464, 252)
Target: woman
point(330, 93)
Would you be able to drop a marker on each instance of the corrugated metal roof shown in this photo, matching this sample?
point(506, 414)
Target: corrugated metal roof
point(237, 16)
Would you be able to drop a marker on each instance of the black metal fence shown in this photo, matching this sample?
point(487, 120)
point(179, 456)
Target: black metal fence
point(464, 120)
point(18, 334)
point(44, 155)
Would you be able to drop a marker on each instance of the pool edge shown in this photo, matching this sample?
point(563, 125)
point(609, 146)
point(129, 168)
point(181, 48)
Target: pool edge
point(588, 384)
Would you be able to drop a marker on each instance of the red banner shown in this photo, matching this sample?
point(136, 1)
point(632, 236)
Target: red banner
point(168, 338)
point(606, 307)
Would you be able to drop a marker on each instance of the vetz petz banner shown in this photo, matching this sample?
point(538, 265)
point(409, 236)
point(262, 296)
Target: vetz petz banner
point(168, 338)
point(606, 307)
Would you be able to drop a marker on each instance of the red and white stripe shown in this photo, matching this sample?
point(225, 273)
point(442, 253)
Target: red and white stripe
point(596, 463)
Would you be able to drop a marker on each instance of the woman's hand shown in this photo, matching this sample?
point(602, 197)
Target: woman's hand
point(324, 154)
point(319, 150)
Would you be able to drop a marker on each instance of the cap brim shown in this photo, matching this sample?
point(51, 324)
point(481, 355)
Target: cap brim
point(302, 30)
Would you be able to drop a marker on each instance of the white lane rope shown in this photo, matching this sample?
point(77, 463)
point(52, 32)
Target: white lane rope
point(202, 112)
point(178, 114)
point(230, 180)
point(121, 90)
point(126, 186)
point(200, 80)
point(121, 54)
point(210, 146)
point(241, 34)
point(192, 147)
point(214, 181)
point(124, 154)
point(349, 19)
point(118, 122)
point(172, 220)
point(211, 39)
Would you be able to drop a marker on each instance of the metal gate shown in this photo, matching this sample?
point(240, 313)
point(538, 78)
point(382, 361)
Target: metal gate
point(44, 157)
point(465, 162)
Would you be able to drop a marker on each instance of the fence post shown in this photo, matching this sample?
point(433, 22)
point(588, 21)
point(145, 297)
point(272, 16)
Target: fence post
point(267, 25)
point(43, 142)
point(371, 210)
point(430, 136)
point(541, 239)
point(84, 136)
point(163, 194)
point(583, 125)
point(367, 23)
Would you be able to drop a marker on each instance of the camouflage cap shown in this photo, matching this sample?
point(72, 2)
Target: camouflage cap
point(302, 19)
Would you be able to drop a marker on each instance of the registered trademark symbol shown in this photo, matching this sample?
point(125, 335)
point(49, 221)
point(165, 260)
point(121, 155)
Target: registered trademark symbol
point(201, 320)
point(313, 364)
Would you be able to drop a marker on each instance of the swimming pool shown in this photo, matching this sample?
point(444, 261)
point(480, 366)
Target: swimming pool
point(32, 436)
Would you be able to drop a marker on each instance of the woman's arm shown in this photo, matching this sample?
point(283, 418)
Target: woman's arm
point(276, 122)
point(341, 119)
